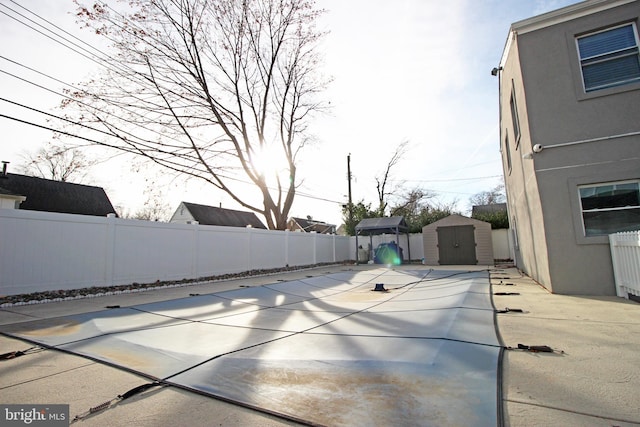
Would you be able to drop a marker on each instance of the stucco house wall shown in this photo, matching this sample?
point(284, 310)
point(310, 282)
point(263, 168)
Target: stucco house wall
point(583, 138)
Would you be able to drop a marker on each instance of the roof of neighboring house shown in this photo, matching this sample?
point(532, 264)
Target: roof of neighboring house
point(210, 215)
point(5, 192)
point(392, 224)
point(310, 225)
point(488, 209)
point(56, 196)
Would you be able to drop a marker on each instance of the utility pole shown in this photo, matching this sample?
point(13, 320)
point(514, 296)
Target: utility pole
point(349, 180)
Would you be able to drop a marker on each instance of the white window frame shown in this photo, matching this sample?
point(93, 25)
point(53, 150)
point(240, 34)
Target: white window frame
point(590, 60)
point(507, 151)
point(515, 119)
point(603, 184)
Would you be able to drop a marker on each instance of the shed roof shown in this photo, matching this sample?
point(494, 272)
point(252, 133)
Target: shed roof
point(210, 215)
point(57, 196)
point(455, 220)
point(392, 224)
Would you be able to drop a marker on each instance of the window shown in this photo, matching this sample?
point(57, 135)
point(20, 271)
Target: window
point(514, 116)
point(610, 57)
point(610, 208)
point(507, 151)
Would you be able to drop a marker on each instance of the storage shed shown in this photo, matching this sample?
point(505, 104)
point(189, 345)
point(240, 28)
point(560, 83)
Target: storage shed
point(457, 240)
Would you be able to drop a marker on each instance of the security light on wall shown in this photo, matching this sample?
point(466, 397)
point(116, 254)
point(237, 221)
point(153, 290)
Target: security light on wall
point(536, 149)
point(494, 72)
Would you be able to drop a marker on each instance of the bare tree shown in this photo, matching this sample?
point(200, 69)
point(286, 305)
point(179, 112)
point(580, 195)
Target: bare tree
point(57, 162)
point(420, 207)
point(219, 90)
point(155, 208)
point(496, 195)
point(383, 180)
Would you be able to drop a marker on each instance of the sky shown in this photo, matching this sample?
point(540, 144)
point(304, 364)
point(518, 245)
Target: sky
point(403, 70)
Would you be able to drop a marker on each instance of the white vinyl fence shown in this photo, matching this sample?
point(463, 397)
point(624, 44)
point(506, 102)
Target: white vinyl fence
point(43, 251)
point(625, 255)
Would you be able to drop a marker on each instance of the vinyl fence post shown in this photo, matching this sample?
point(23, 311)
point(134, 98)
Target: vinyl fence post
point(286, 247)
point(110, 249)
point(249, 248)
point(315, 247)
point(334, 247)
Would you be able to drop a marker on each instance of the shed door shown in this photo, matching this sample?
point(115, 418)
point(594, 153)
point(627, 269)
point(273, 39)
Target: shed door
point(457, 245)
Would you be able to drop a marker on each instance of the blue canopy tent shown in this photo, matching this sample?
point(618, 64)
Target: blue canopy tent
point(388, 225)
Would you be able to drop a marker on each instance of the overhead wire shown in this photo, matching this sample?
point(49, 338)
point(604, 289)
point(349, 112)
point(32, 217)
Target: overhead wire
point(103, 63)
point(99, 57)
point(84, 138)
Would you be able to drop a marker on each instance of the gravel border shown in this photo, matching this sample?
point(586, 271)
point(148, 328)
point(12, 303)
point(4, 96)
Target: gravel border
point(98, 291)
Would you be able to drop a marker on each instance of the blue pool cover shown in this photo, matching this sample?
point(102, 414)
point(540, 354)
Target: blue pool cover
point(326, 350)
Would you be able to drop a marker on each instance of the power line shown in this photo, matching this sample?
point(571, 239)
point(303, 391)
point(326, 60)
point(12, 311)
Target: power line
point(448, 180)
point(78, 50)
point(298, 193)
point(107, 63)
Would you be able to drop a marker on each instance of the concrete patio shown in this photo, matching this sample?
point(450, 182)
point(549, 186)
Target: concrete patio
point(591, 379)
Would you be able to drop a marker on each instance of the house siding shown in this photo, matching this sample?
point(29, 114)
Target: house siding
point(523, 197)
point(182, 215)
point(554, 109)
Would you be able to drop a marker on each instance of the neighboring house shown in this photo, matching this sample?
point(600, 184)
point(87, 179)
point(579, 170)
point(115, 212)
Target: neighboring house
point(10, 200)
point(492, 208)
point(570, 140)
point(38, 194)
point(308, 225)
point(209, 215)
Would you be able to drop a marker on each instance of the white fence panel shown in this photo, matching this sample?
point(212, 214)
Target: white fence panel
point(502, 244)
point(267, 248)
point(36, 254)
point(144, 254)
point(221, 250)
point(298, 248)
point(625, 256)
point(324, 248)
point(343, 249)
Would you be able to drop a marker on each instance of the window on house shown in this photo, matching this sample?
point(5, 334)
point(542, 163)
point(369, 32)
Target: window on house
point(507, 151)
point(609, 57)
point(610, 208)
point(514, 116)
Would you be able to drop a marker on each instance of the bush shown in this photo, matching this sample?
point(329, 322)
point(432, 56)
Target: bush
point(497, 220)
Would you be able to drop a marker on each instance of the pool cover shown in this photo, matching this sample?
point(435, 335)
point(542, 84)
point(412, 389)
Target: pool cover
point(326, 350)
